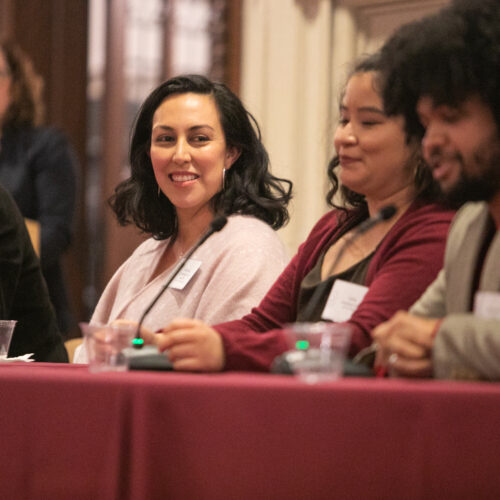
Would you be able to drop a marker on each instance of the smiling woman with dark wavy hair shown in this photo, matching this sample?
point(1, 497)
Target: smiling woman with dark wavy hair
point(249, 186)
point(196, 153)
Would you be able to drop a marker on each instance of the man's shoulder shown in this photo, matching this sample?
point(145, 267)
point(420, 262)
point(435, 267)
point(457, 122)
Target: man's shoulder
point(469, 215)
point(471, 211)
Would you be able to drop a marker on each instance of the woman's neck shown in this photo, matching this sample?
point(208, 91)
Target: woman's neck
point(190, 229)
point(401, 200)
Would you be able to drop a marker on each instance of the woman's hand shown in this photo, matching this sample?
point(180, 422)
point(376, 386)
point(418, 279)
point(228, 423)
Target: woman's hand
point(192, 345)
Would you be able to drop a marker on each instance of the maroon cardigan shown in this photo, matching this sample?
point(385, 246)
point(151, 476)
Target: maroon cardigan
point(404, 264)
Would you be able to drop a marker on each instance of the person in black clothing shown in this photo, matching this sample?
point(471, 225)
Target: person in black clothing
point(23, 293)
point(39, 169)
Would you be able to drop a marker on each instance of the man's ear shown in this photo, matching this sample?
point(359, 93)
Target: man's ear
point(232, 154)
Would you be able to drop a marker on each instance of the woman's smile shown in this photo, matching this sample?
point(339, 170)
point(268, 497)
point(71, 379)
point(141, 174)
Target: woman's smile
point(183, 178)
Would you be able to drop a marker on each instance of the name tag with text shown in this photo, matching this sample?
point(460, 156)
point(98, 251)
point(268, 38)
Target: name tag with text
point(185, 274)
point(487, 305)
point(343, 300)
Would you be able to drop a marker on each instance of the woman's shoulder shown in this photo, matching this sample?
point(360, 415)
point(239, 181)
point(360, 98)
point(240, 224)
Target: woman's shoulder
point(147, 248)
point(431, 219)
point(422, 211)
point(246, 231)
point(329, 222)
point(422, 222)
point(248, 225)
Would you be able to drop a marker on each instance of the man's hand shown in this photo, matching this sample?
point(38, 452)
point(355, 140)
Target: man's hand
point(405, 345)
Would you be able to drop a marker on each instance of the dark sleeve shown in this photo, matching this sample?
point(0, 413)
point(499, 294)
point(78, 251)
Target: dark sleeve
point(54, 166)
point(23, 292)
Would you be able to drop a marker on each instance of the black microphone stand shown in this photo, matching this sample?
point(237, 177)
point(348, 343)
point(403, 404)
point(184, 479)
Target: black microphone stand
point(216, 225)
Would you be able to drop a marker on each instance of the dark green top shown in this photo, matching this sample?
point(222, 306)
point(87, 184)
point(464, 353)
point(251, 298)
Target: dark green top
point(355, 274)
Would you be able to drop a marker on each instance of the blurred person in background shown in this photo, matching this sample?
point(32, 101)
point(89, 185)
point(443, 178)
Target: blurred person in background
point(38, 167)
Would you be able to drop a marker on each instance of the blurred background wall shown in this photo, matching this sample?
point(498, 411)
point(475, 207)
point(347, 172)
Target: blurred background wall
point(287, 59)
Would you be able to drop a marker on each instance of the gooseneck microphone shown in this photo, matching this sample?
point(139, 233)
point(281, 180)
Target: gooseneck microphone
point(385, 213)
point(216, 225)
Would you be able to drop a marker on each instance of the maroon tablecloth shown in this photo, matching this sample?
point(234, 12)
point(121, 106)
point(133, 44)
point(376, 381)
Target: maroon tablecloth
point(67, 433)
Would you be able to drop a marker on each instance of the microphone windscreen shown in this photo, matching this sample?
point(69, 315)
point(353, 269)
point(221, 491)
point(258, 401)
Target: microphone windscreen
point(218, 223)
point(387, 212)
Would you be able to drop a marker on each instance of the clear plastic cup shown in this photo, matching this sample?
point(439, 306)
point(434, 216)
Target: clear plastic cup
point(105, 345)
point(6, 330)
point(319, 350)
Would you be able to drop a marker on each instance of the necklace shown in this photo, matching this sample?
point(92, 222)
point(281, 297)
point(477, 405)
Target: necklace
point(177, 251)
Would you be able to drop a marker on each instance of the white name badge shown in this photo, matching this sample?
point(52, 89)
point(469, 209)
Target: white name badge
point(487, 305)
point(343, 300)
point(185, 274)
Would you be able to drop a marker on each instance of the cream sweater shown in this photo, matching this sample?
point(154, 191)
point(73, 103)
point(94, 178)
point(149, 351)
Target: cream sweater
point(238, 266)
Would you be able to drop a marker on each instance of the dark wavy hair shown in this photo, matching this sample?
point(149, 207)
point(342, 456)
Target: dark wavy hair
point(26, 105)
point(449, 56)
point(425, 186)
point(249, 186)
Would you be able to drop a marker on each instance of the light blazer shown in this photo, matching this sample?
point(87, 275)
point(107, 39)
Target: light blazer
point(466, 346)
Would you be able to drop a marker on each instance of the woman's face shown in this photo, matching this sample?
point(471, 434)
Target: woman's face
point(5, 83)
point(374, 157)
point(188, 151)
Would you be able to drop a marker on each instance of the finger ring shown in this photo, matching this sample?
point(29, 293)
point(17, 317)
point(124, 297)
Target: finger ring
point(393, 358)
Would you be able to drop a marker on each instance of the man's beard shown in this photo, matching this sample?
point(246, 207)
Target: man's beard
point(482, 186)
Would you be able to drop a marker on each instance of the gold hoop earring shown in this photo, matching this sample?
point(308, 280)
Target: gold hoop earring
point(223, 179)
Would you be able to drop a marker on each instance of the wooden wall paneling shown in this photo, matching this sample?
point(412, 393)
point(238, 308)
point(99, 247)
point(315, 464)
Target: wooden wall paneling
point(167, 39)
point(233, 45)
point(113, 126)
point(6, 13)
point(68, 111)
point(119, 241)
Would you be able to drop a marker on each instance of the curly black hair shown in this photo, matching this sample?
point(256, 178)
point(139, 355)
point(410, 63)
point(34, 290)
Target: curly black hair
point(448, 56)
point(249, 186)
point(425, 186)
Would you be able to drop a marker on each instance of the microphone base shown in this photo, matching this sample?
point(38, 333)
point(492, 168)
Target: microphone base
point(147, 358)
point(282, 365)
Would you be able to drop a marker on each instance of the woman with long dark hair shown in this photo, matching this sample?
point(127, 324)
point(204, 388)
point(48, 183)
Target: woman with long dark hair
point(196, 153)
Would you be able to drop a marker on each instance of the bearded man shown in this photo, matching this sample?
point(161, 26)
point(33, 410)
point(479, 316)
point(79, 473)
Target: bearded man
point(443, 74)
